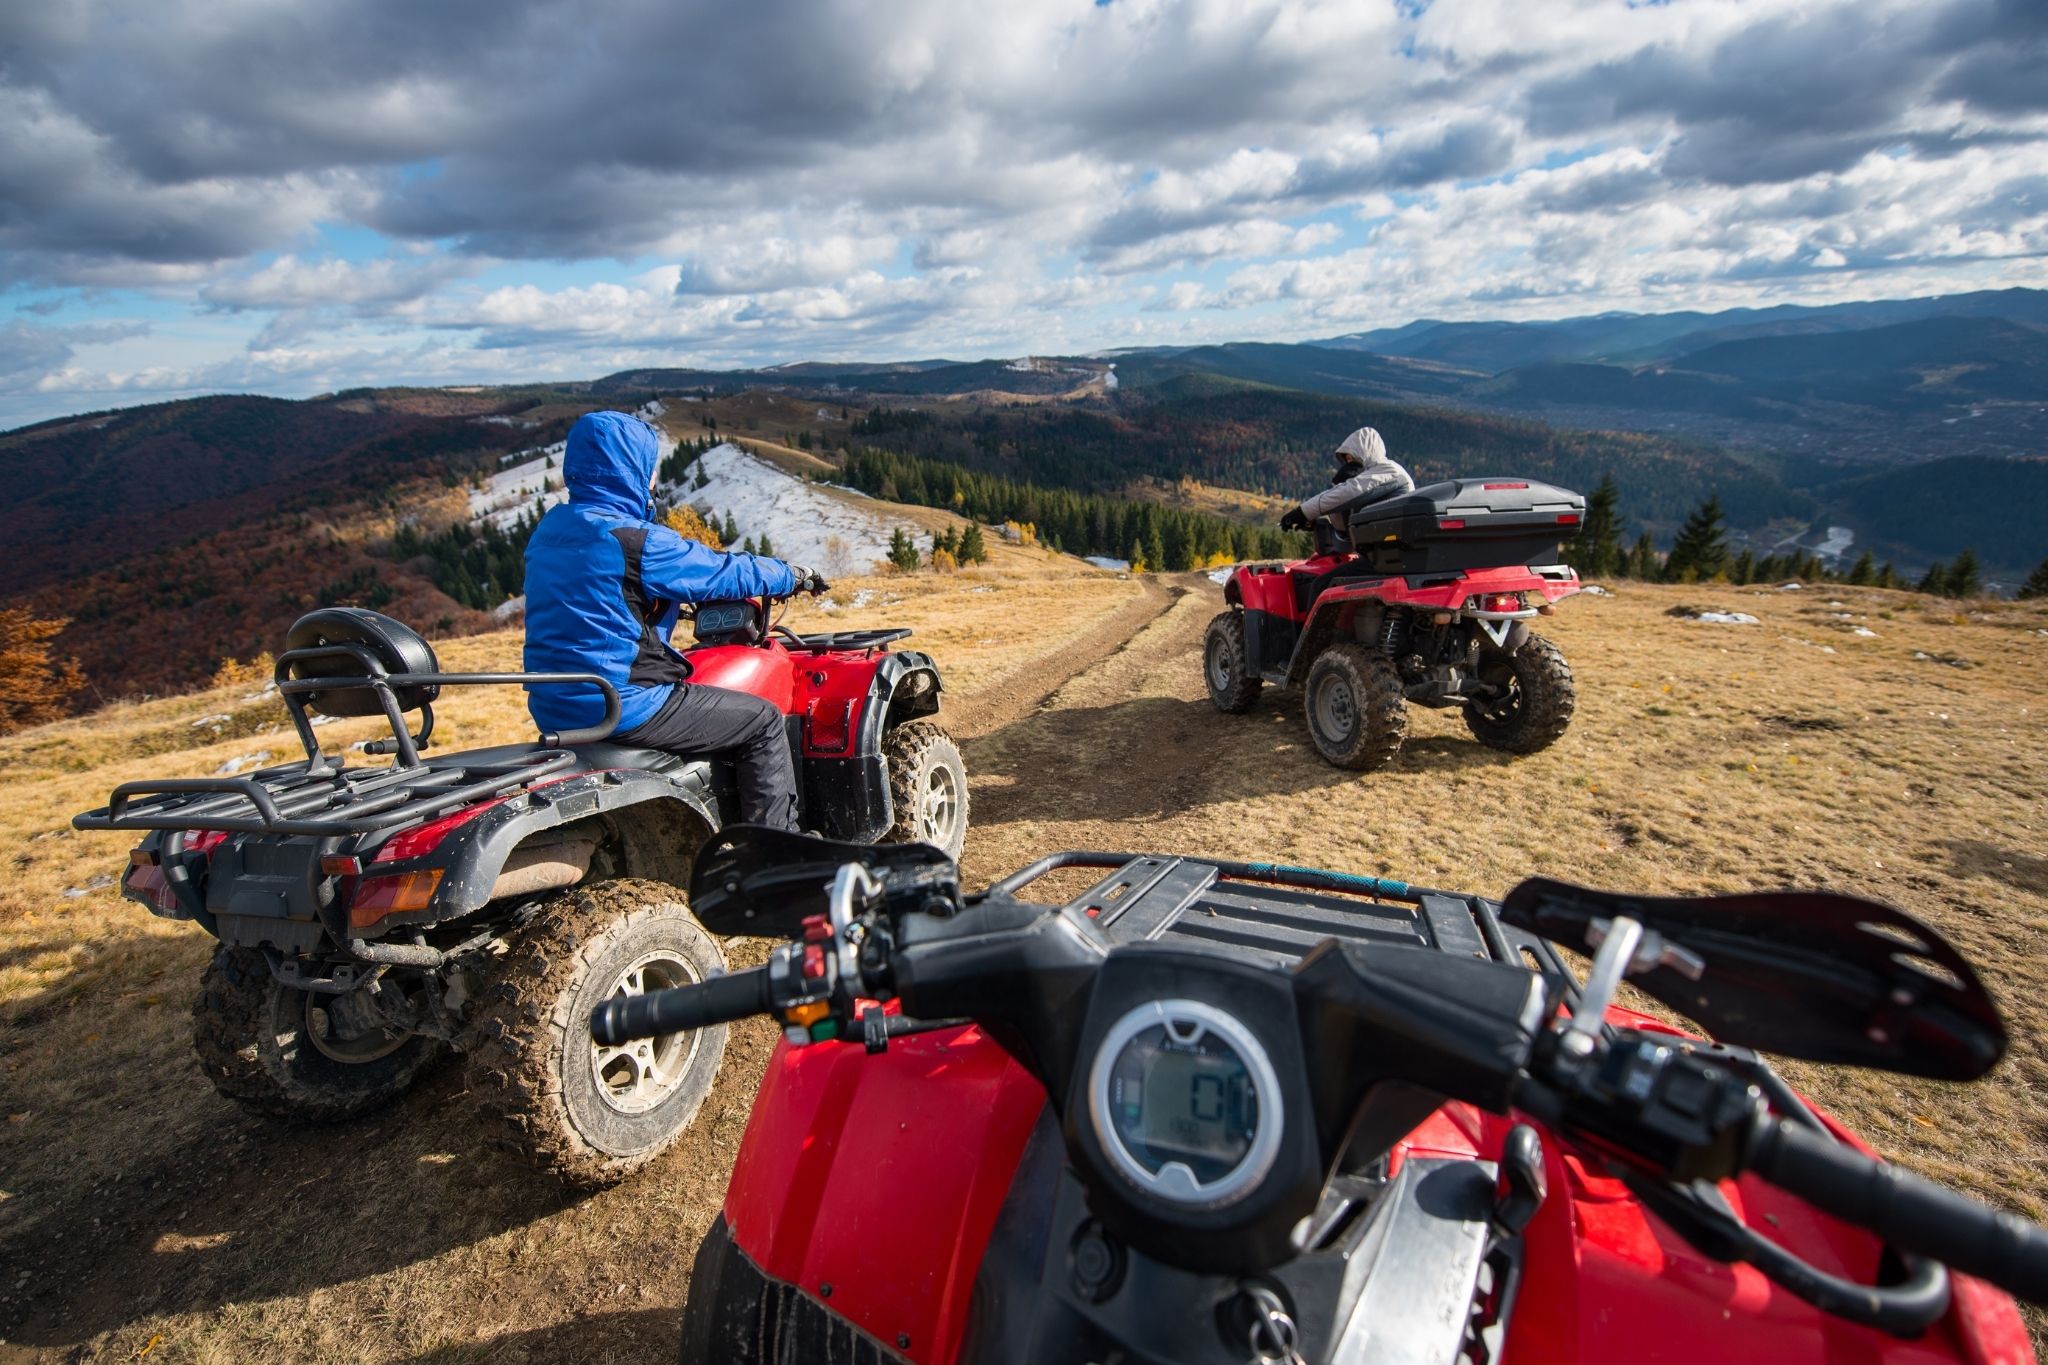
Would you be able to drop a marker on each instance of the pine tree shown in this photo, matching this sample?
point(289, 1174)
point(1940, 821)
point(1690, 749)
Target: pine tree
point(973, 549)
point(1642, 560)
point(730, 532)
point(1964, 577)
point(703, 478)
point(1597, 551)
point(1935, 580)
point(1155, 550)
point(1136, 554)
point(903, 550)
point(747, 546)
point(1701, 550)
point(2037, 582)
point(1864, 572)
point(764, 547)
point(1744, 570)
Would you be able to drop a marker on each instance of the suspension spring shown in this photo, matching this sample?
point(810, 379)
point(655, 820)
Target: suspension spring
point(1394, 634)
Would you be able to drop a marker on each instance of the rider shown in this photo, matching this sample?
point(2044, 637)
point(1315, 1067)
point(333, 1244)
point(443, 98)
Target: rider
point(602, 587)
point(1364, 474)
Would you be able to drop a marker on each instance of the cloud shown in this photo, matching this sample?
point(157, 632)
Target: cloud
point(948, 176)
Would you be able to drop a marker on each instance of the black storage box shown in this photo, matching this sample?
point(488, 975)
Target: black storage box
point(1467, 524)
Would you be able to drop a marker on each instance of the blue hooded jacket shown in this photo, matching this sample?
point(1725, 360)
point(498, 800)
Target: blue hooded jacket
point(603, 582)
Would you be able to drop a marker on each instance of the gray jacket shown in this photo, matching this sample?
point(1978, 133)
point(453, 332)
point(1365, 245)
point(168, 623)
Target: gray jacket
point(1381, 478)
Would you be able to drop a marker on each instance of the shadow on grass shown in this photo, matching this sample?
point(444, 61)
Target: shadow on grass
point(2021, 871)
point(648, 1335)
point(247, 1209)
point(1148, 756)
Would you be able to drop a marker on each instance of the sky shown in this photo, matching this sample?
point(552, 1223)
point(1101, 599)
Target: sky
point(298, 196)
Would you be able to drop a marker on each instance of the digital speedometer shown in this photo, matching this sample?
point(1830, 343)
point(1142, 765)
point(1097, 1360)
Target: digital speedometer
point(1185, 1103)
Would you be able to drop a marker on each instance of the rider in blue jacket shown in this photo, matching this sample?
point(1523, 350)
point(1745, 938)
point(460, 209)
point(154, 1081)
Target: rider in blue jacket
point(603, 584)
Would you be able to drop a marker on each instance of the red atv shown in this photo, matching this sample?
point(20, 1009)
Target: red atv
point(371, 917)
point(1224, 1112)
point(1432, 605)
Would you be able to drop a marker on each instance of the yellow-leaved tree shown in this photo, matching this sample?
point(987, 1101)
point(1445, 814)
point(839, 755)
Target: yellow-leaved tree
point(685, 522)
point(33, 686)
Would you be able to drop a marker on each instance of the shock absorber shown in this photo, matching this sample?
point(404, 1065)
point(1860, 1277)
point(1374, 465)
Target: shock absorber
point(1394, 632)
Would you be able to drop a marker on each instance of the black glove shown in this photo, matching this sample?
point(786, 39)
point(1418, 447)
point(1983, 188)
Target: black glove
point(1294, 520)
point(809, 580)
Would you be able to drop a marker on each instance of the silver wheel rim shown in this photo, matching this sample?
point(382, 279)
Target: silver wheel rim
point(1219, 671)
point(319, 1031)
point(1336, 709)
point(637, 1076)
point(938, 805)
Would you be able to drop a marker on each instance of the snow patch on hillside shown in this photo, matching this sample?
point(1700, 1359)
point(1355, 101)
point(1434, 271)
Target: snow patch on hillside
point(806, 523)
point(530, 479)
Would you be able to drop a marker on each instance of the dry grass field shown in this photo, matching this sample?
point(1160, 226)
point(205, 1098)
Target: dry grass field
point(141, 1216)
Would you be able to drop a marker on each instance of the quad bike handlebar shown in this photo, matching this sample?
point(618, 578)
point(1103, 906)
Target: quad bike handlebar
point(1671, 1115)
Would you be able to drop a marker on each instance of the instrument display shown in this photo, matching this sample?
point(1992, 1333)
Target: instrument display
point(1186, 1103)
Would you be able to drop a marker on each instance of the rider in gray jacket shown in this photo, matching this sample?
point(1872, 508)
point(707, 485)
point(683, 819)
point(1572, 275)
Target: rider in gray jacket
point(1364, 474)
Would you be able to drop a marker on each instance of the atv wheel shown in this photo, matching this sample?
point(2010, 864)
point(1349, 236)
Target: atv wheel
point(1536, 705)
point(591, 1115)
point(281, 1052)
point(1357, 710)
point(927, 787)
point(1226, 667)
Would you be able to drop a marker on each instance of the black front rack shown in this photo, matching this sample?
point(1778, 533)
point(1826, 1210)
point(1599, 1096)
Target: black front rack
point(318, 798)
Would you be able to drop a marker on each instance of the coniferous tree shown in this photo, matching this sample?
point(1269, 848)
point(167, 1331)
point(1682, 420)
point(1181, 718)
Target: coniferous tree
point(1597, 550)
point(1864, 571)
point(1935, 580)
point(764, 547)
point(1642, 560)
point(1888, 576)
point(2036, 584)
point(730, 532)
point(1744, 569)
point(903, 550)
point(747, 546)
point(1701, 550)
point(1964, 577)
point(1155, 549)
point(973, 549)
point(1136, 555)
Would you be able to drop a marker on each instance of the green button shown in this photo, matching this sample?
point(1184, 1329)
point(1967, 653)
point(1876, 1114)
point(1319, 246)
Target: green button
point(825, 1030)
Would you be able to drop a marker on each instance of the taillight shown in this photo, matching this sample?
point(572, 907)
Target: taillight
point(1568, 519)
point(831, 726)
point(401, 893)
point(1490, 486)
point(1450, 524)
point(205, 840)
point(147, 883)
point(1501, 601)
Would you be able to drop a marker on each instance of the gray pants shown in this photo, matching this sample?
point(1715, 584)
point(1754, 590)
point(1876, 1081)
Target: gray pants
point(717, 720)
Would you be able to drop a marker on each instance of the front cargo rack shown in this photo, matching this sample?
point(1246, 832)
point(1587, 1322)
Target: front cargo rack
point(321, 797)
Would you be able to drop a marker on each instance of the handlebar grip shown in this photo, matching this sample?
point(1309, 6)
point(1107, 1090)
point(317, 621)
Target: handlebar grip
point(720, 1000)
point(1908, 1212)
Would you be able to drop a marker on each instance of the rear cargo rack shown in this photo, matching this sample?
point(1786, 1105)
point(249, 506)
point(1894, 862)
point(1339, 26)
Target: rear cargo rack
point(318, 797)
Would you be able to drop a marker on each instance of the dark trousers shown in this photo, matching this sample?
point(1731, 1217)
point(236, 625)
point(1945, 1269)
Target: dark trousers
point(717, 720)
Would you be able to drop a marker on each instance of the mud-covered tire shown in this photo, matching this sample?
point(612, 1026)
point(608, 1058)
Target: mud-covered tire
point(1226, 665)
point(544, 1090)
point(1356, 708)
point(1539, 702)
point(927, 787)
point(266, 1046)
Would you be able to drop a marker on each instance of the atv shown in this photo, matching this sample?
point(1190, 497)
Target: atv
point(371, 917)
point(1429, 603)
point(1211, 1112)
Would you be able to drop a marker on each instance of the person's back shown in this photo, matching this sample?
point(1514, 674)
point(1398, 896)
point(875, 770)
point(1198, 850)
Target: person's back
point(603, 584)
point(1364, 474)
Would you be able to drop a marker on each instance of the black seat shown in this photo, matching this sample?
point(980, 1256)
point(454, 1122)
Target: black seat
point(605, 754)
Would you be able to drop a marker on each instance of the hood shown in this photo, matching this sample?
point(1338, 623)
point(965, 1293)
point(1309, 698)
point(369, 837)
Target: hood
point(609, 462)
point(1364, 444)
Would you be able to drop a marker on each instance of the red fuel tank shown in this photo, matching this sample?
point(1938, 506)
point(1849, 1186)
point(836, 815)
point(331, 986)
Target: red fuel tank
point(766, 673)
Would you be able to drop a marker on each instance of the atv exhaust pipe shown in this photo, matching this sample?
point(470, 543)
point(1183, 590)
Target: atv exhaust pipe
point(534, 868)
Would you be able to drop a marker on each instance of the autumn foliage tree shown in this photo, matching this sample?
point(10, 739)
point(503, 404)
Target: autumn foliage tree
point(33, 686)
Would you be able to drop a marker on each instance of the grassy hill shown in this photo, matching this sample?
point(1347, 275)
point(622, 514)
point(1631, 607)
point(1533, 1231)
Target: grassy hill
point(144, 1214)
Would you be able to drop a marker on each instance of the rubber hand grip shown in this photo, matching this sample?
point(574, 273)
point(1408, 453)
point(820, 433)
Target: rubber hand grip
point(720, 1000)
point(1908, 1212)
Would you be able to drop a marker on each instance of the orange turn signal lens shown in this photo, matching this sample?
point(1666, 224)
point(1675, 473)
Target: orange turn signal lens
point(377, 897)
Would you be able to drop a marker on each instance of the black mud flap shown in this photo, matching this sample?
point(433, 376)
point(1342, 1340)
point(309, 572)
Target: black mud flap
point(737, 1313)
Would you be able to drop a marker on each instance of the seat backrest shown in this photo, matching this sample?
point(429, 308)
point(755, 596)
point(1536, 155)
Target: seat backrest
point(345, 637)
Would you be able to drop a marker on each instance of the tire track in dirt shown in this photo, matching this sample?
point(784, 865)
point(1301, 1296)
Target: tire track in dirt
point(1011, 696)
